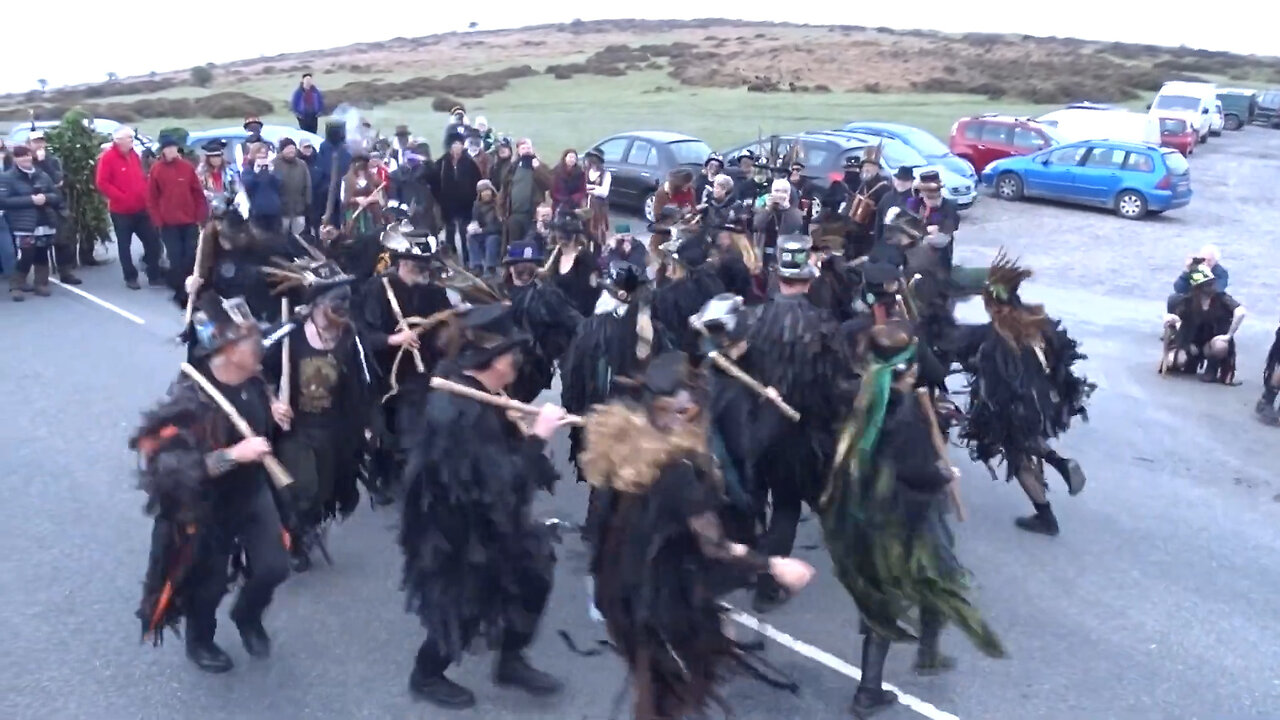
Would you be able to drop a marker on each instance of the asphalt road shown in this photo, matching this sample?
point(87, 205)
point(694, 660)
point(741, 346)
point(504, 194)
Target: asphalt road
point(1154, 603)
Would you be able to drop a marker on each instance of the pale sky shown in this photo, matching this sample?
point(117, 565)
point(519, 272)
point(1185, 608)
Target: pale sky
point(162, 41)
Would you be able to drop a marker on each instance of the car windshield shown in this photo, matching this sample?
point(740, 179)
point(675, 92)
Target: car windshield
point(1177, 164)
point(924, 143)
point(898, 153)
point(1172, 126)
point(693, 152)
point(1177, 102)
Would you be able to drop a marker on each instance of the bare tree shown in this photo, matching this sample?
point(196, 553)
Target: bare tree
point(473, 25)
point(44, 84)
point(112, 77)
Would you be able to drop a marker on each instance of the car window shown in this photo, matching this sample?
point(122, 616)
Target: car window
point(1177, 164)
point(689, 152)
point(642, 153)
point(1177, 102)
point(1027, 139)
point(1172, 126)
point(973, 130)
point(924, 143)
point(612, 149)
point(1139, 162)
point(1066, 156)
point(995, 133)
point(1105, 159)
point(815, 155)
point(898, 153)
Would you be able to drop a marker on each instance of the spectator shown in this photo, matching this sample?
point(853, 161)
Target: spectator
point(120, 178)
point(501, 162)
point(475, 150)
point(484, 235)
point(64, 241)
point(457, 176)
point(332, 162)
point(362, 202)
point(30, 201)
point(295, 188)
point(411, 187)
point(624, 246)
point(525, 185)
point(677, 192)
point(307, 104)
point(262, 186)
point(220, 181)
point(540, 233)
point(457, 128)
point(1210, 255)
point(568, 185)
point(378, 168)
point(177, 205)
point(307, 152)
point(8, 252)
point(486, 134)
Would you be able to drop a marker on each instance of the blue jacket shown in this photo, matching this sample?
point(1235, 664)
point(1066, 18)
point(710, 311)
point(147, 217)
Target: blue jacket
point(263, 189)
point(307, 103)
point(1220, 276)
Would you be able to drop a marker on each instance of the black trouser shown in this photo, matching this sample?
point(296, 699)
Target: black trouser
point(308, 122)
point(180, 245)
point(128, 225)
point(258, 529)
point(29, 257)
point(535, 589)
point(309, 453)
point(267, 223)
point(455, 226)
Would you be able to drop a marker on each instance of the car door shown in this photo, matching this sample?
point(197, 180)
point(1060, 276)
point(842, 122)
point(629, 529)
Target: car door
point(1052, 173)
point(1099, 177)
point(993, 143)
point(623, 184)
point(642, 159)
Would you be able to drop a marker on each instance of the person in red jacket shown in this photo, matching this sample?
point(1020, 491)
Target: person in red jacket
point(177, 206)
point(121, 180)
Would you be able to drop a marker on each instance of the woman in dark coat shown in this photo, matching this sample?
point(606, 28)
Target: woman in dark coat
point(568, 184)
point(574, 270)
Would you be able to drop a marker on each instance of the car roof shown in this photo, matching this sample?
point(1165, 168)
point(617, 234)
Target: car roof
point(848, 139)
point(1236, 91)
point(1111, 144)
point(891, 127)
point(661, 136)
point(999, 117)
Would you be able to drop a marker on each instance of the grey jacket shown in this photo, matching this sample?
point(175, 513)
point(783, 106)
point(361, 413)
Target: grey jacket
point(295, 186)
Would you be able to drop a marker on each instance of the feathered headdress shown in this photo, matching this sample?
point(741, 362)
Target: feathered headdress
point(314, 274)
point(1003, 280)
point(1017, 322)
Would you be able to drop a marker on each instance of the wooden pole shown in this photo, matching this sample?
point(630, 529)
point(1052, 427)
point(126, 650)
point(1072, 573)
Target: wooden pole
point(926, 405)
point(401, 323)
point(767, 393)
point(191, 297)
point(275, 469)
point(498, 401)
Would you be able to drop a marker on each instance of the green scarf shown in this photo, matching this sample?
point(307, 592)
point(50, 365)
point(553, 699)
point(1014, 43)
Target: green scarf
point(876, 382)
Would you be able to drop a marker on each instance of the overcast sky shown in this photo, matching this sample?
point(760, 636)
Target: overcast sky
point(85, 47)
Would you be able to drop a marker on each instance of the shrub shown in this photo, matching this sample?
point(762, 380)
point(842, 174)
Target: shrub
point(201, 76)
point(443, 103)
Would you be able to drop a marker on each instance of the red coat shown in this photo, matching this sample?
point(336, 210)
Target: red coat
point(174, 194)
point(121, 180)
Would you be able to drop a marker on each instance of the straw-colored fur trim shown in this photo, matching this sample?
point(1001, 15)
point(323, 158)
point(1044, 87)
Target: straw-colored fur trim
point(626, 452)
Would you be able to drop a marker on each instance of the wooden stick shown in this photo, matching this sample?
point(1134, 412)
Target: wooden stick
point(191, 297)
point(401, 323)
point(286, 369)
point(360, 209)
point(498, 401)
point(275, 469)
point(926, 405)
point(741, 375)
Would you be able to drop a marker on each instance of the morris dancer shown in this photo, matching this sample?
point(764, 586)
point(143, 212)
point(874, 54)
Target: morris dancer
point(543, 310)
point(1203, 322)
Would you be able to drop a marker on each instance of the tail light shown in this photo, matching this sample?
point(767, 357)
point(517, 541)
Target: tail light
point(1165, 183)
point(835, 176)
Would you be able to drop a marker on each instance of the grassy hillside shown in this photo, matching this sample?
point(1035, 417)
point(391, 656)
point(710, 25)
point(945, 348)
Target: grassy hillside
point(726, 81)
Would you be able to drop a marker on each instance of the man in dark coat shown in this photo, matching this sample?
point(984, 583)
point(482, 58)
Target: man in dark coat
point(411, 186)
point(457, 175)
point(30, 201)
point(332, 162)
point(64, 241)
point(524, 186)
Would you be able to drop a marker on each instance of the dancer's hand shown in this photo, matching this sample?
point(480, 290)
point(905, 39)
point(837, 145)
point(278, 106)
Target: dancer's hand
point(791, 573)
point(192, 284)
point(405, 338)
point(250, 450)
point(282, 413)
point(549, 419)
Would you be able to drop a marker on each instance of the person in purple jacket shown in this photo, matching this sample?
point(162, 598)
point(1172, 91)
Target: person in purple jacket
point(307, 104)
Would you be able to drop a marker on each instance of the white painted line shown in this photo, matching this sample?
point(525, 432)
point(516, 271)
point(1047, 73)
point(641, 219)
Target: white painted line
point(100, 302)
point(825, 658)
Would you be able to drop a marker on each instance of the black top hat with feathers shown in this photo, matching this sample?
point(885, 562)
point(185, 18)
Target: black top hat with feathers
point(486, 333)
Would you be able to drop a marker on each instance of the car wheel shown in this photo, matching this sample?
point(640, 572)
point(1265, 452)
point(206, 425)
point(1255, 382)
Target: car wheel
point(1130, 205)
point(648, 206)
point(1009, 186)
point(1233, 123)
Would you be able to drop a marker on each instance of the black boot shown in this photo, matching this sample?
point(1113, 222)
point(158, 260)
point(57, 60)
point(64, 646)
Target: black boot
point(929, 659)
point(769, 594)
point(1211, 370)
point(428, 683)
point(871, 697)
point(514, 671)
point(208, 656)
point(1265, 409)
point(1069, 469)
point(1042, 522)
point(66, 277)
point(256, 641)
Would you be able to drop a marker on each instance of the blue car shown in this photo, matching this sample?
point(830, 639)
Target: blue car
point(929, 147)
point(1132, 179)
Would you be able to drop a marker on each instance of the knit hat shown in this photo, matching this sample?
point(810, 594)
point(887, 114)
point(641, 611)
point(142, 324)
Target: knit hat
point(168, 141)
point(485, 184)
point(286, 142)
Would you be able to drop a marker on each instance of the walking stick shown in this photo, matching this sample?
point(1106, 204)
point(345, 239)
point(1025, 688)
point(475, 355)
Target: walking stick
point(498, 401)
point(401, 323)
point(275, 469)
point(732, 370)
point(191, 297)
point(286, 367)
point(926, 405)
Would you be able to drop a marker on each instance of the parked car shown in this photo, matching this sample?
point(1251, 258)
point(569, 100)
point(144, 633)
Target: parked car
point(824, 152)
point(1239, 106)
point(1268, 108)
point(640, 161)
point(19, 133)
point(1192, 101)
point(983, 139)
point(1217, 119)
point(1132, 179)
point(235, 137)
point(923, 142)
point(1092, 121)
point(1177, 133)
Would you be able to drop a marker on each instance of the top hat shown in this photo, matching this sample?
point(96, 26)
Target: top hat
point(488, 332)
point(905, 173)
point(251, 120)
point(219, 322)
point(930, 180)
point(523, 251)
point(793, 257)
point(402, 130)
point(594, 153)
point(872, 154)
point(713, 158)
point(719, 314)
point(623, 276)
point(214, 147)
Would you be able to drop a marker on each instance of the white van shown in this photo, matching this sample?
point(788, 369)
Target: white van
point(1190, 101)
point(1089, 121)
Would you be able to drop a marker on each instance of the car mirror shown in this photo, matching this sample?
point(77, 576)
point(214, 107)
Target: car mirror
point(1044, 160)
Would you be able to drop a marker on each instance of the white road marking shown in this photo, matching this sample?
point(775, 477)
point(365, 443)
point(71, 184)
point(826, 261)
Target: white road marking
point(823, 657)
point(100, 302)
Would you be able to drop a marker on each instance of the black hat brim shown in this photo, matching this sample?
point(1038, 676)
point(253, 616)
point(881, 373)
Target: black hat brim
point(472, 357)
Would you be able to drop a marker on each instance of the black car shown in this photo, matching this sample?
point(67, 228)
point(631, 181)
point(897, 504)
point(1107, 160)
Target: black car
point(823, 153)
point(640, 161)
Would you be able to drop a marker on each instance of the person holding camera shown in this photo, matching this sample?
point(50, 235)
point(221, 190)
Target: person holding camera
point(776, 218)
point(1208, 256)
point(30, 202)
point(262, 186)
point(1201, 324)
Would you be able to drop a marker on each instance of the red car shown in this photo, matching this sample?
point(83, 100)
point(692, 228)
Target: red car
point(1178, 134)
point(986, 138)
